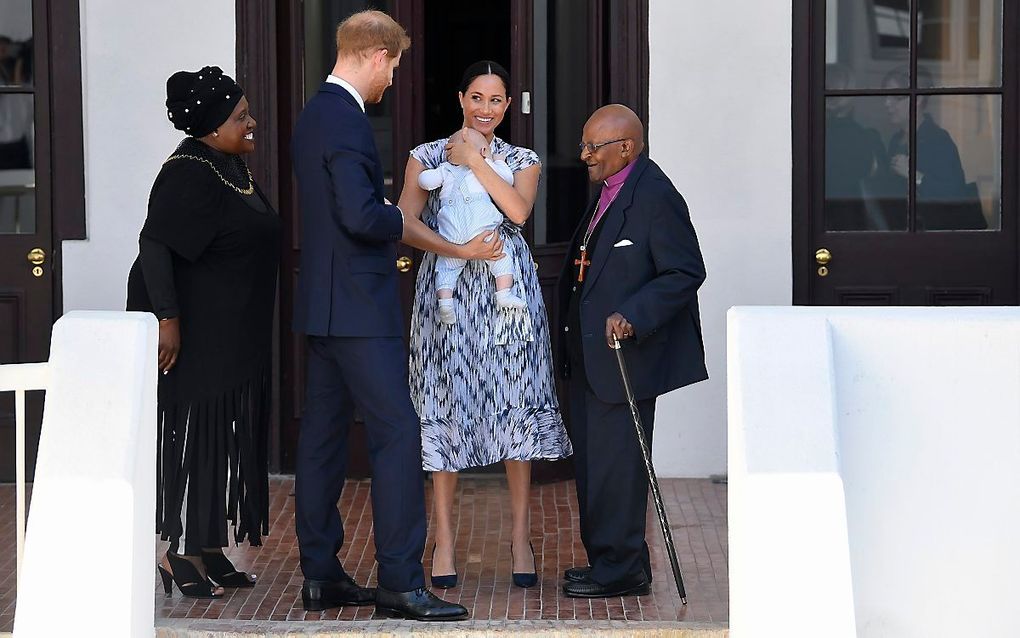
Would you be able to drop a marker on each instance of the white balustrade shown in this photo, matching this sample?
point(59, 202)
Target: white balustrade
point(20, 378)
point(874, 471)
point(94, 491)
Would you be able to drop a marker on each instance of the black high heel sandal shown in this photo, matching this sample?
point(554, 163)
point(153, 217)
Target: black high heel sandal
point(447, 581)
point(524, 579)
point(188, 579)
point(222, 572)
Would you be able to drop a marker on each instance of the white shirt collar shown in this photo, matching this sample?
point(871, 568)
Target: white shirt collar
point(332, 79)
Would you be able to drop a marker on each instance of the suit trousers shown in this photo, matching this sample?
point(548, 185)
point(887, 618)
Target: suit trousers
point(612, 483)
point(370, 373)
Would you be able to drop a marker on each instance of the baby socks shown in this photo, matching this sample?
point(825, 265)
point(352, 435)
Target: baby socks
point(447, 314)
point(506, 299)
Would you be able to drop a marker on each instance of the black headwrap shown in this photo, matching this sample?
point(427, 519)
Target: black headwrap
point(198, 102)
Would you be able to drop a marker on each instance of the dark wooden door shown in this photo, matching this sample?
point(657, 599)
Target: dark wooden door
point(305, 52)
point(574, 58)
point(905, 153)
point(26, 237)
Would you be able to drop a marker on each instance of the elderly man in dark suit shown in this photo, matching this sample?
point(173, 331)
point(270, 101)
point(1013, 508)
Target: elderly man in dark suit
point(347, 304)
point(634, 271)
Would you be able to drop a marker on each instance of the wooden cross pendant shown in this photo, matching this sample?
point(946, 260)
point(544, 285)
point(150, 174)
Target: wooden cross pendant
point(583, 263)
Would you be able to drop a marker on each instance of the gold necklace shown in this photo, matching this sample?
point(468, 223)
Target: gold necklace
point(244, 191)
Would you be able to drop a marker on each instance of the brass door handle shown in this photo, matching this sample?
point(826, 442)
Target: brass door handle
point(823, 256)
point(404, 263)
point(36, 256)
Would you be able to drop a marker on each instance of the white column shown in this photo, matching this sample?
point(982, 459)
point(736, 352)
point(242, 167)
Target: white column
point(90, 524)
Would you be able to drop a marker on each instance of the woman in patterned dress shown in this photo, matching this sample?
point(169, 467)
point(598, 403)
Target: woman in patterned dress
point(483, 387)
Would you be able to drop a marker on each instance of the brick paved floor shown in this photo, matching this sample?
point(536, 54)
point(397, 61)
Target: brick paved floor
point(8, 557)
point(697, 513)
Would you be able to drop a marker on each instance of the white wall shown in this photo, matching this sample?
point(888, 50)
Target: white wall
point(719, 126)
point(882, 440)
point(129, 49)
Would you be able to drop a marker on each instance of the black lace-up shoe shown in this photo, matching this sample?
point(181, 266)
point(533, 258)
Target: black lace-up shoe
point(588, 588)
point(318, 595)
point(420, 604)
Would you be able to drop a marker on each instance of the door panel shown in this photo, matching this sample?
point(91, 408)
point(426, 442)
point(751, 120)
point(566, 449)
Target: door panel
point(26, 251)
point(905, 153)
point(306, 53)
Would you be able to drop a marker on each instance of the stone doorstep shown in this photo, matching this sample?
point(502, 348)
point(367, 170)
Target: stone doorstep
point(181, 628)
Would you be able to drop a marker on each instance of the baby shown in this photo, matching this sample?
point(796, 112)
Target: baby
point(465, 211)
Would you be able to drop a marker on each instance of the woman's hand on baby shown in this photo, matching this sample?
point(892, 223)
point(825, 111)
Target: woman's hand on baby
point(460, 151)
point(486, 246)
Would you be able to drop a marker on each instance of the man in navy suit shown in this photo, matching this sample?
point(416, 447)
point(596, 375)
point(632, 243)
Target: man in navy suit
point(633, 271)
point(347, 304)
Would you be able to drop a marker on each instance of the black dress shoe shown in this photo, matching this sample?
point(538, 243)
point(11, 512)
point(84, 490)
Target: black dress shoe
point(577, 574)
point(590, 589)
point(318, 595)
point(420, 604)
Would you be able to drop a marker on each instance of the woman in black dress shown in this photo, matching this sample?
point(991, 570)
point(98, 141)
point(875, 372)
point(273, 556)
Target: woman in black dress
point(207, 268)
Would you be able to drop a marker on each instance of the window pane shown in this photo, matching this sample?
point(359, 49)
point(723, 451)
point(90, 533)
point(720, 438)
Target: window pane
point(17, 173)
point(862, 189)
point(16, 42)
point(958, 162)
point(960, 42)
point(864, 41)
point(560, 110)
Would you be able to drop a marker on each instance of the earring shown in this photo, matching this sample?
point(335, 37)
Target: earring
point(215, 134)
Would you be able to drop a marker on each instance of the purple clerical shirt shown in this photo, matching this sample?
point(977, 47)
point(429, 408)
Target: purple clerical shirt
point(610, 189)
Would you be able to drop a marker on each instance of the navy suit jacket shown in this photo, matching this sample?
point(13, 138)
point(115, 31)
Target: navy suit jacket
point(653, 283)
point(347, 286)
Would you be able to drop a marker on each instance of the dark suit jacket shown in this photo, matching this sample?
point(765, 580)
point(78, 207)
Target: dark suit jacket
point(653, 283)
point(347, 286)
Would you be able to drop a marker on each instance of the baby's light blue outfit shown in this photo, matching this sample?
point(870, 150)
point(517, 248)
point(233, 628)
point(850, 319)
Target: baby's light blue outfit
point(465, 211)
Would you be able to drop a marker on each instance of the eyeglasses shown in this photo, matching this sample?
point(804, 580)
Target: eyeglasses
point(592, 147)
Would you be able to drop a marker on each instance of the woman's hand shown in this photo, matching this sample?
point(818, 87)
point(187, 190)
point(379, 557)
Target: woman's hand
point(169, 343)
point(485, 246)
point(461, 151)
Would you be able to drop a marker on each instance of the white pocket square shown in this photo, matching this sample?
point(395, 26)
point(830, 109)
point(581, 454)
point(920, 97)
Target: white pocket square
point(622, 243)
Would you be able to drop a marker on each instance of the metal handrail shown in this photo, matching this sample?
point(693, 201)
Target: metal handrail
point(20, 378)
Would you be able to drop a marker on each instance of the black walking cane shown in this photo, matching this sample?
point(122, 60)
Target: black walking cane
point(646, 454)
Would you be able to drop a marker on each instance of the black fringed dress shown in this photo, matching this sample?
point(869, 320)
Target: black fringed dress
point(209, 254)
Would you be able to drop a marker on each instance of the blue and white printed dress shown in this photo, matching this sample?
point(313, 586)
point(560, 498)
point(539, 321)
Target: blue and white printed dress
point(483, 387)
